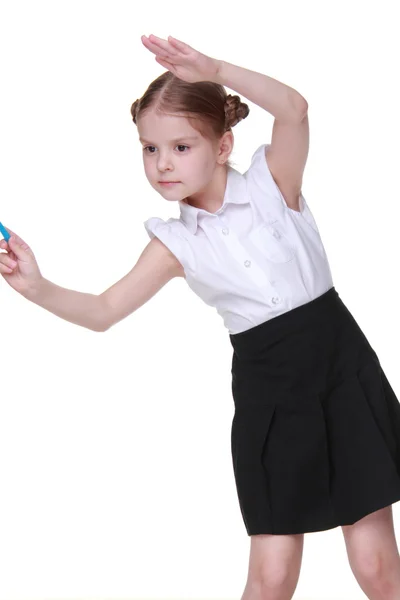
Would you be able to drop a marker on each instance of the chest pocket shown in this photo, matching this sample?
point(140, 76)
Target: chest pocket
point(270, 238)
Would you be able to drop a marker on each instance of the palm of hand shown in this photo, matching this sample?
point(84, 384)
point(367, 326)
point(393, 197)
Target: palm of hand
point(182, 60)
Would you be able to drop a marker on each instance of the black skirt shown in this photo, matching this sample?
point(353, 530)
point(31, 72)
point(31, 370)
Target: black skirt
point(316, 429)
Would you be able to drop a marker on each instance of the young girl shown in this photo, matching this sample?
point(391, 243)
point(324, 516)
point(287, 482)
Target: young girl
point(316, 429)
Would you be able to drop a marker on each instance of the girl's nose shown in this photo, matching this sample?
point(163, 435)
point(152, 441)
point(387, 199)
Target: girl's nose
point(164, 162)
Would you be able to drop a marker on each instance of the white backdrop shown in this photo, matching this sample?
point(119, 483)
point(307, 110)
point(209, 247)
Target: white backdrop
point(115, 468)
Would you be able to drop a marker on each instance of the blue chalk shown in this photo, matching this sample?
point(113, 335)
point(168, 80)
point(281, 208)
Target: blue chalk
point(4, 233)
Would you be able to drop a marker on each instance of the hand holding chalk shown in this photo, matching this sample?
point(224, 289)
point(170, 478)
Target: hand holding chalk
point(4, 232)
point(18, 265)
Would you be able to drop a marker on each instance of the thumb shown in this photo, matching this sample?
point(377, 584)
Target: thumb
point(18, 246)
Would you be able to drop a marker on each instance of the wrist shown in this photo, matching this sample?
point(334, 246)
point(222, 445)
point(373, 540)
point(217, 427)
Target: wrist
point(218, 78)
point(35, 290)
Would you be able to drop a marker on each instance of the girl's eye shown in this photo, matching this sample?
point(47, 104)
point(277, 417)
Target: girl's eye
point(178, 146)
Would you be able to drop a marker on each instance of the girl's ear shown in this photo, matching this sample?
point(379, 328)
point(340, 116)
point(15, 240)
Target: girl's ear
point(225, 147)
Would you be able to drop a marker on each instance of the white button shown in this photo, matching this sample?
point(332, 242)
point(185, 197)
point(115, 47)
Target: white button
point(276, 300)
point(276, 234)
point(247, 263)
point(225, 230)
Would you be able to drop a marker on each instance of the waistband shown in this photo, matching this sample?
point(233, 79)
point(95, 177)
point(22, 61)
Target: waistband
point(311, 314)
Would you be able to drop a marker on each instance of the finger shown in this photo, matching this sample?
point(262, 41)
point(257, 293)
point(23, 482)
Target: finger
point(7, 230)
point(155, 49)
point(11, 232)
point(6, 261)
point(17, 238)
point(163, 44)
point(6, 253)
point(185, 48)
point(21, 244)
point(5, 270)
point(149, 45)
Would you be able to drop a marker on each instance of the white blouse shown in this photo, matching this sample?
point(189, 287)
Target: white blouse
point(253, 259)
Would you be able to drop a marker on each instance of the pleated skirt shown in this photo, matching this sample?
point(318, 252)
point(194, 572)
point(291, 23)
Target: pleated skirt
point(315, 434)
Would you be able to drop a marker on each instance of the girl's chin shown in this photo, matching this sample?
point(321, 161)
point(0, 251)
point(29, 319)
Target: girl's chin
point(170, 195)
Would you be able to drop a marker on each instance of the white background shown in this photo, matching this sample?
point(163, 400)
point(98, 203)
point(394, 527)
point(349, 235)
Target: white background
point(115, 468)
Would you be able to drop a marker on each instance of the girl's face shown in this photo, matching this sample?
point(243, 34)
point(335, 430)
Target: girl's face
point(176, 153)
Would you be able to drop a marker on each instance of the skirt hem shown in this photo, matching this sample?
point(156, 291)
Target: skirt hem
point(320, 528)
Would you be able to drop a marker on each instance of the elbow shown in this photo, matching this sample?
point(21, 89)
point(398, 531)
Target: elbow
point(98, 328)
point(103, 321)
point(103, 326)
point(301, 106)
point(297, 106)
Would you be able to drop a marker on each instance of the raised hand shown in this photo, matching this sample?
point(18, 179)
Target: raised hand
point(182, 60)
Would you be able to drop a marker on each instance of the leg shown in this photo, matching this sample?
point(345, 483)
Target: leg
point(373, 555)
point(274, 567)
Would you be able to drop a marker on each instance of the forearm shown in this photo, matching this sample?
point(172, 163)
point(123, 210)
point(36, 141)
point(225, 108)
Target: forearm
point(280, 100)
point(79, 308)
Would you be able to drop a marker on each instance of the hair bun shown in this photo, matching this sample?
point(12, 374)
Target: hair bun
point(235, 111)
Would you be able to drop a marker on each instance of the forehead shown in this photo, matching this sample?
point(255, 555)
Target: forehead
point(157, 126)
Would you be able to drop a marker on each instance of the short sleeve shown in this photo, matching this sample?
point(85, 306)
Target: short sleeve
point(260, 177)
point(170, 235)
